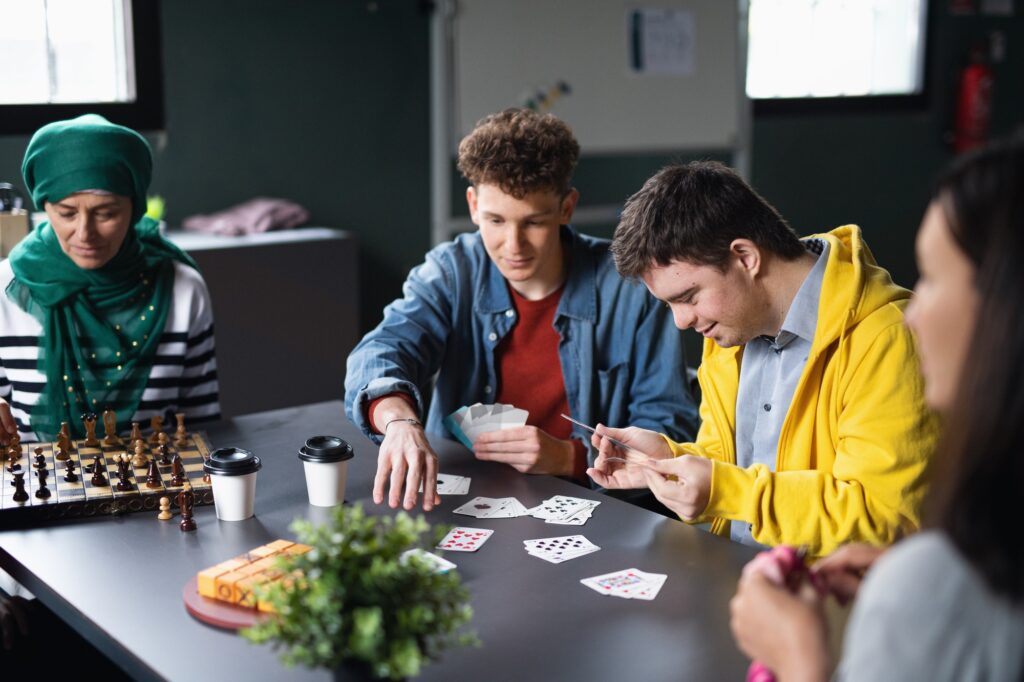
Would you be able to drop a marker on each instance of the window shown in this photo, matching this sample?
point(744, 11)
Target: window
point(62, 58)
point(832, 49)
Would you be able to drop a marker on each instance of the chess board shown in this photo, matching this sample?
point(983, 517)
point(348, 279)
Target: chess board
point(81, 499)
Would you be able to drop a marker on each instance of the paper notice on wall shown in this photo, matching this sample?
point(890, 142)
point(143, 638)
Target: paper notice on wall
point(661, 41)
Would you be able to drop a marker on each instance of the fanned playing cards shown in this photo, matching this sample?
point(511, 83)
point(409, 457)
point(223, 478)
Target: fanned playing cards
point(565, 510)
point(493, 508)
point(630, 583)
point(467, 423)
point(559, 549)
point(450, 484)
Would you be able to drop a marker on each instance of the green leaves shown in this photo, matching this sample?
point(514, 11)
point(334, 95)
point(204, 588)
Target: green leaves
point(351, 598)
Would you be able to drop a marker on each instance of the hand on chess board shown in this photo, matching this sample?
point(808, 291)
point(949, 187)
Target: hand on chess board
point(13, 619)
point(7, 426)
point(527, 449)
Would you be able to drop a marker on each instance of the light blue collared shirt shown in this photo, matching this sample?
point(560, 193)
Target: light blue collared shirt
point(769, 373)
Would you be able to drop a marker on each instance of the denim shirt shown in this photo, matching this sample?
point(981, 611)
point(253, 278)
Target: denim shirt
point(621, 356)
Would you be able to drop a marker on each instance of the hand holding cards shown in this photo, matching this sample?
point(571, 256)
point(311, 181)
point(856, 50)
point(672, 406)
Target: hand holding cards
point(467, 423)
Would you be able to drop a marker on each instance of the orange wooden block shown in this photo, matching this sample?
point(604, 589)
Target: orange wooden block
point(207, 578)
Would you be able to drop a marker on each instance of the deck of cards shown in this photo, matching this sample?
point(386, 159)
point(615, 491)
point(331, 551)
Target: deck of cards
point(461, 539)
point(467, 423)
point(565, 510)
point(559, 549)
point(630, 583)
point(493, 508)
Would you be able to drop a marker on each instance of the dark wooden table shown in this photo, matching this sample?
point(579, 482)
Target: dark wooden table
point(118, 581)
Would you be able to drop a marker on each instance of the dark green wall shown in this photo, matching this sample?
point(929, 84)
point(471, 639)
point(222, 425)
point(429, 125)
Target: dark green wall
point(327, 102)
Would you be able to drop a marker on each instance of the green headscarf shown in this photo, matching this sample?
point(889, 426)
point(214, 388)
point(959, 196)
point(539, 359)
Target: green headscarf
point(101, 327)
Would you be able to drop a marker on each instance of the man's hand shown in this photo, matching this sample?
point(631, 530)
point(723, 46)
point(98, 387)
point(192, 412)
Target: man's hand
point(528, 450)
point(613, 473)
point(406, 459)
point(7, 426)
point(688, 494)
point(783, 631)
point(844, 569)
point(13, 620)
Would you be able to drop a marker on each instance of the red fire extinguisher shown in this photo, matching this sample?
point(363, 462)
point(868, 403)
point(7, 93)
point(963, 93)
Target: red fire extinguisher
point(973, 103)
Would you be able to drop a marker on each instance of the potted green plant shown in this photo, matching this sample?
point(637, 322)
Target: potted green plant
point(355, 600)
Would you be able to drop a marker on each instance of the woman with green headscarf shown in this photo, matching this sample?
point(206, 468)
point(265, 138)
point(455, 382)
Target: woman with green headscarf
point(98, 311)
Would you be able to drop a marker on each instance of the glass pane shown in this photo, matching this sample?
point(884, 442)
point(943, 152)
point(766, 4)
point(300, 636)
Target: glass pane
point(74, 51)
point(834, 48)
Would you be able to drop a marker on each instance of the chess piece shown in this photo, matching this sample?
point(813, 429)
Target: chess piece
point(186, 498)
point(13, 448)
point(180, 434)
point(124, 464)
point(89, 421)
point(165, 509)
point(40, 459)
point(98, 479)
point(153, 475)
point(110, 436)
point(14, 465)
point(69, 471)
point(177, 471)
point(136, 436)
point(156, 423)
point(61, 452)
point(20, 494)
point(163, 450)
point(140, 459)
point(42, 492)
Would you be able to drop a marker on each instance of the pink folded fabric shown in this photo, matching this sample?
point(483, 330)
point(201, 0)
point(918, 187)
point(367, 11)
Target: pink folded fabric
point(249, 217)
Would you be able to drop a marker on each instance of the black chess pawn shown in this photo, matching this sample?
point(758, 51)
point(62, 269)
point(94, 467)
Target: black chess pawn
point(98, 479)
point(69, 471)
point(153, 475)
point(20, 494)
point(40, 459)
point(42, 492)
point(177, 471)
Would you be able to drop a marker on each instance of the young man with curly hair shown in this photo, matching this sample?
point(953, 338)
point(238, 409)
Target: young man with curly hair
point(523, 311)
point(814, 429)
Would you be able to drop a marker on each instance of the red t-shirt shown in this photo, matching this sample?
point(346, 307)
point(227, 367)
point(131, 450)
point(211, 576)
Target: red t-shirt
point(530, 371)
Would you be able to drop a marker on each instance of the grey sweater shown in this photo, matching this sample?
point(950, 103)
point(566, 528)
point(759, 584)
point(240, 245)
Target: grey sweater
point(924, 613)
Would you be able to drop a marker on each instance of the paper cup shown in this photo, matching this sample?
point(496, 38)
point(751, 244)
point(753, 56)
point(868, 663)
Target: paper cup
point(233, 476)
point(325, 460)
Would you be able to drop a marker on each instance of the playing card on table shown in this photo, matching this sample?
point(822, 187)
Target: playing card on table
point(492, 508)
point(630, 583)
point(450, 484)
point(436, 563)
point(460, 539)
point(565, 510)
point(559, 549)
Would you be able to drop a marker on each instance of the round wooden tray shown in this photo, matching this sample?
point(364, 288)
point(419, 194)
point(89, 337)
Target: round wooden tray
point(217, 613)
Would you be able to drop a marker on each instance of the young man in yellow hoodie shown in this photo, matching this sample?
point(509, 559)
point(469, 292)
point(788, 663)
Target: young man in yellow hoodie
point(814, 429)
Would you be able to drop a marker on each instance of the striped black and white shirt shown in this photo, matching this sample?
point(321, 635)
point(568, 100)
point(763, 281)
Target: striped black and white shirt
point(184, 373)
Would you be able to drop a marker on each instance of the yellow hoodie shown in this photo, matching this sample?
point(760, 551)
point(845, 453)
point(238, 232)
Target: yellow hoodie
point(855, 443)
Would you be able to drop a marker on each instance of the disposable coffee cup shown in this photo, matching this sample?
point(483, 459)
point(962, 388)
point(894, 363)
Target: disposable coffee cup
point(325, 459)
point(233, 476)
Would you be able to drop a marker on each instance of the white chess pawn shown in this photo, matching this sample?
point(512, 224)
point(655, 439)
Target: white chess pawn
point(165, 509)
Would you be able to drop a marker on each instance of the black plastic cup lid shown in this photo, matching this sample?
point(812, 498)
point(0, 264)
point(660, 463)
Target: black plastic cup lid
point(325, 449)
point(232, 462)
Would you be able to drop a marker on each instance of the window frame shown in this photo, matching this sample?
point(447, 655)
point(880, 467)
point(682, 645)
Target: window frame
point(145, 113)
point(858, 104)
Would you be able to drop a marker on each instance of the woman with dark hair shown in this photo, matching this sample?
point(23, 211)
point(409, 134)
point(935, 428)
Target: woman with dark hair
point(947, 603)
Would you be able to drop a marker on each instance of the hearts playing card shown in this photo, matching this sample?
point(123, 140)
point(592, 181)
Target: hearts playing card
point(630, 583)
point(460, 539)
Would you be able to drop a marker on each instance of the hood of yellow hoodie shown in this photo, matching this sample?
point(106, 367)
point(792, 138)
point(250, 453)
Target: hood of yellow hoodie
point(853, 286)
point(846, 297)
